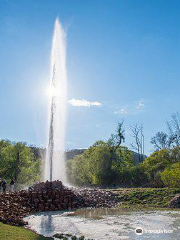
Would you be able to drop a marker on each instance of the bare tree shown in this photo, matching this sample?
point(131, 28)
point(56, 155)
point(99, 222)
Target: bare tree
point(138, 144)
point(174, 130)
point(161, 141)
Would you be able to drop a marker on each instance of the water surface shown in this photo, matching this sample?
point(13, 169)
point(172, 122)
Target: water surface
point(108, 224)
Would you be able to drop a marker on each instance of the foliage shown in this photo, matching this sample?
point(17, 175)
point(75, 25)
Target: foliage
point(101, 164)
point(161, 159)
point(139, 176)
point(119, 137)
point(105, 164)
point(171, 176)
point(111, 164)
point(158, 166)
point(18, 161)
point(156, 162)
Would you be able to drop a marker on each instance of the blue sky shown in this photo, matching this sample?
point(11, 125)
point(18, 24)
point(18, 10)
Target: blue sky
point(123, 54)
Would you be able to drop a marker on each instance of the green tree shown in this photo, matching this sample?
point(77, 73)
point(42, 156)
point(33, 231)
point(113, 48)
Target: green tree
point(97, 167)
point(171, 176)
point(17, 161)
point(158, 162)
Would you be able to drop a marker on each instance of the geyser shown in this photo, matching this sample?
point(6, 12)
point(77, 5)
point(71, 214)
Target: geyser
point(55, 155)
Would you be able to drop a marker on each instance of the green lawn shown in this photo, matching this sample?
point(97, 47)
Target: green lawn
point(18, 233)
point(145, 197)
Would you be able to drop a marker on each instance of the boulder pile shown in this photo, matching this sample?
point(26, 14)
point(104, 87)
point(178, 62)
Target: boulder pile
point(50, 196)
point(95, 198)
point(13, 208)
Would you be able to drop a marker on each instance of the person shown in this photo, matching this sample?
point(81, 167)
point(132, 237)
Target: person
point(12, 183)
point(4, 185)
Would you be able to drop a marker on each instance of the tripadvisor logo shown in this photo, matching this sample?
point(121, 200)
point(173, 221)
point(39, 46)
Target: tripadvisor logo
point(139, 231)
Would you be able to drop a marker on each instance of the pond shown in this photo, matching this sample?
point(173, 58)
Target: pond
point(109, 224)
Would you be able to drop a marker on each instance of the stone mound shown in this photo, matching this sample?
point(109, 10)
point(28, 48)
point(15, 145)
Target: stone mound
point(96, 198)
point(50, 196)
point(45, 186)
point(13, 208)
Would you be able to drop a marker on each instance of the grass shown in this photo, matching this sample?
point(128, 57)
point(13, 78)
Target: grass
point(18, 233)
point(145, 197)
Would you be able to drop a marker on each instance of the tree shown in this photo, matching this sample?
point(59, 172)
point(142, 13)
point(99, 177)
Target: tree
point(139, 176)
point(78, 171)
point(91, 167)
point(171, 176)
point(119, 137)
point(161, 140)
point(138, 144)
point(121, 164)
point(17, 161)
point(158, 162)
point(115, 142)
point(101, 164)
point(174, 130)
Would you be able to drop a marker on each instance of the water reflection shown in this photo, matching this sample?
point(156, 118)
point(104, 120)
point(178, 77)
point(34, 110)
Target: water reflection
point(99, 213)
point(46, 220)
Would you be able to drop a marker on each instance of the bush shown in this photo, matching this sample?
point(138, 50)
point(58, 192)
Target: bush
point(171, 176)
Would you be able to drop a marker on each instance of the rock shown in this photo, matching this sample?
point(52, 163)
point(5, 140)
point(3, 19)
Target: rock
point(175, 201)
point(95, 198)
point(50, 196)
point(68, 236)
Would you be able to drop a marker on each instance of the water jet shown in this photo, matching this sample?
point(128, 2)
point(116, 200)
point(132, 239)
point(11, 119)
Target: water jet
point(55, 154)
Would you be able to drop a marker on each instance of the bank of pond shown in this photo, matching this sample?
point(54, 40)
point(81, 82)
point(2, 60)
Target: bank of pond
point(53, 196)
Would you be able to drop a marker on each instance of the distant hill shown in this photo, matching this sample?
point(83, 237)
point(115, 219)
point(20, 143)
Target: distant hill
point(70, 154)
point(137, 157)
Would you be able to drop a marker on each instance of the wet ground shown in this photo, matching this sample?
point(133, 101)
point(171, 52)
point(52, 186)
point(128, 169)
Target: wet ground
point(109, 224)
